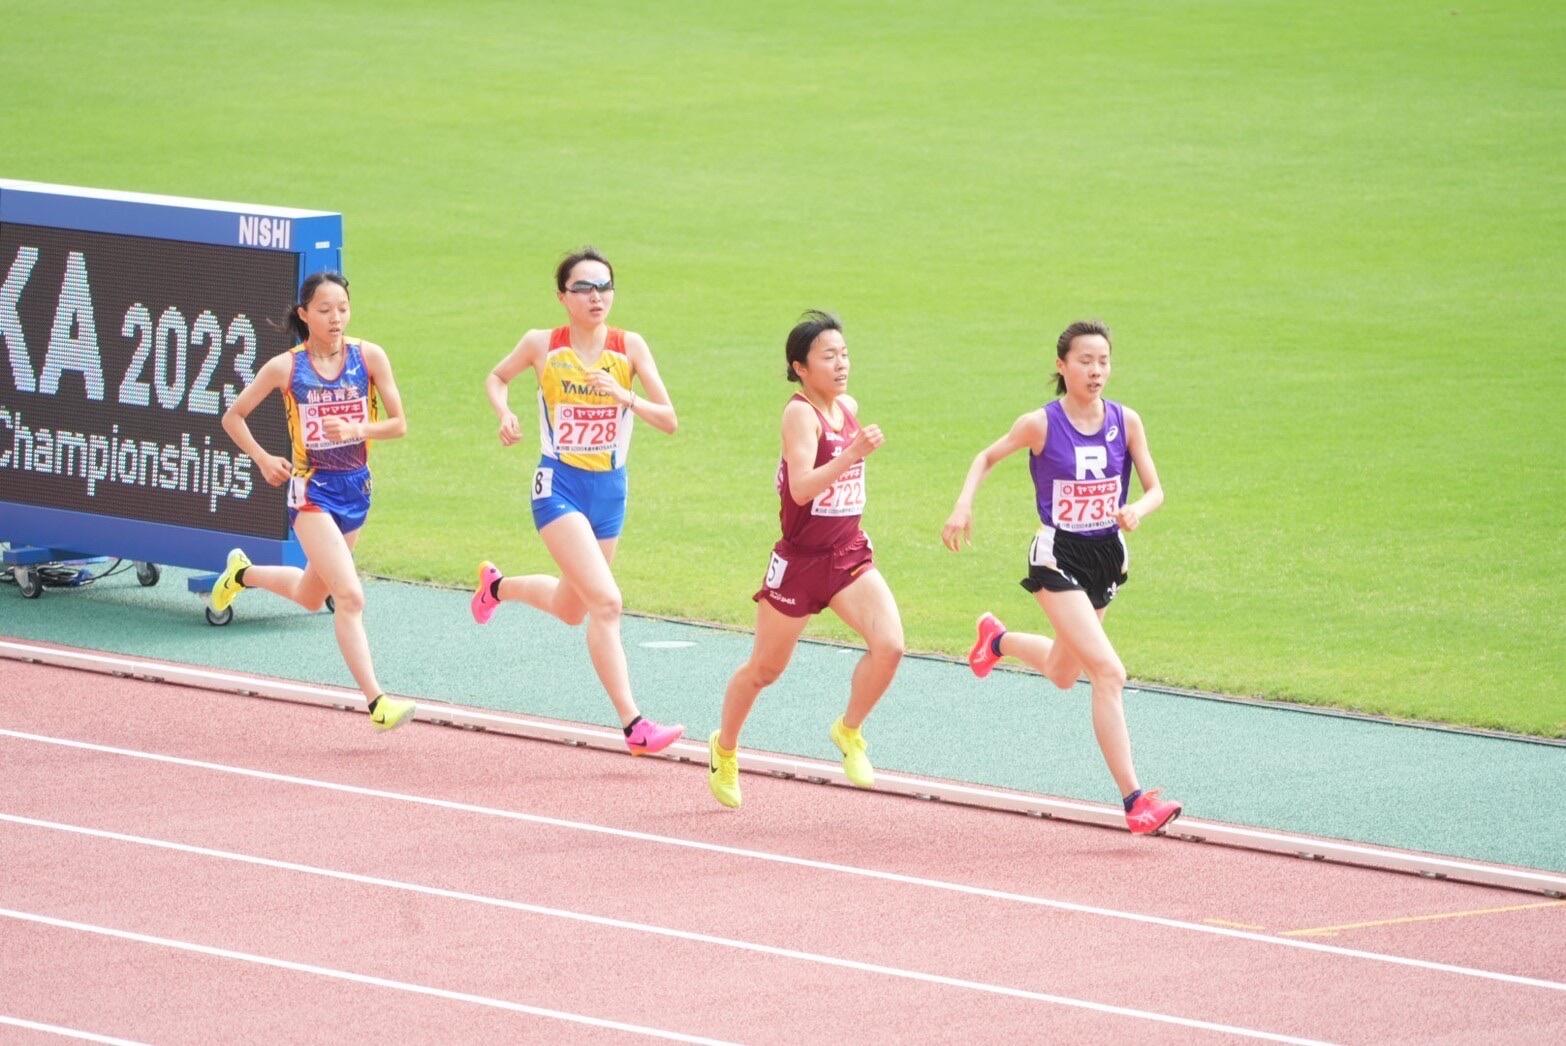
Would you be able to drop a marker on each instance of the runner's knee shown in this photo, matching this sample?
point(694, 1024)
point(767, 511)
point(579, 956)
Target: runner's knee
point(1064, 676)
point(350, 600)
point(763, 674)
point(888, 648)
point(1108, 674)
point(606, 606)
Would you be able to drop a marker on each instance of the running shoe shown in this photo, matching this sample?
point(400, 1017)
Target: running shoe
point(225, 588)
point(483, 603)
point(723, 773)
point(856, 765)
point(983, 657)
point(1150, 813)
point(391, 712)
point(647, 737)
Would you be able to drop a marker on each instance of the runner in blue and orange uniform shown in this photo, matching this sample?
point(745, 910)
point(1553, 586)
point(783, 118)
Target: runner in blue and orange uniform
point(1081, 447)
point(586, 407)
point(333, 389)
point(823, 560)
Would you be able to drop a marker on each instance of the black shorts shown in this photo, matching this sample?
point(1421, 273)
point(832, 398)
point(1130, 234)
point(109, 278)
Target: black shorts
point(1060, 561)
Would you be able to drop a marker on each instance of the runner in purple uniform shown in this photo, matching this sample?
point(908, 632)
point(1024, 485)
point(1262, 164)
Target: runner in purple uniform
point(1079, 449)
point(823, 560)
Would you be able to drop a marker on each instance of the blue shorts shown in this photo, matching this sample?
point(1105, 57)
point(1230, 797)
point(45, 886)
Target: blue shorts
point(345, 496)
point(560, 489)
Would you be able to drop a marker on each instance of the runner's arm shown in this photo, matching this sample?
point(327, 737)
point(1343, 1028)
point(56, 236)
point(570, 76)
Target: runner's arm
point(1030, 430)
point(395, 423)
point(529, 351)
point(273, 375)
point(801, 433)
point(1131, 514)
point(655, 407)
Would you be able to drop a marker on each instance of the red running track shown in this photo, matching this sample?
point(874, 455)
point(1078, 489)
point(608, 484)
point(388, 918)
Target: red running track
point(319, 882)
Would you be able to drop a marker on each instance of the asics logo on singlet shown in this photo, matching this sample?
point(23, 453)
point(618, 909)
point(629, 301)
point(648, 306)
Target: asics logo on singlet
point(1114, 430)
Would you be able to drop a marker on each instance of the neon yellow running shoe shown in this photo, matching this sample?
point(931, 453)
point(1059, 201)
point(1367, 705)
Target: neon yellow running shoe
point(225, 588)
point(391, 712)
point(856, 765)
point(723, 773)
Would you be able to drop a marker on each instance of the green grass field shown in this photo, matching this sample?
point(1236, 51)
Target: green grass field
point(1330, 238)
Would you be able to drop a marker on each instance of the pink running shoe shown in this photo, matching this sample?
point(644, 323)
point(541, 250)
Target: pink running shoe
point(1150, 813)
point(647, 737)
point(483, 603)
point(982, 657)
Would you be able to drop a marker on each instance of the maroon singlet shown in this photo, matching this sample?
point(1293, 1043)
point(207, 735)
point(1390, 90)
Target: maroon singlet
point(831, 520)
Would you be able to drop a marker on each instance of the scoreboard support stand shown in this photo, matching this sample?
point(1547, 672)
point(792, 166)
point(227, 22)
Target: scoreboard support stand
point(33, 569)
point(128, 324)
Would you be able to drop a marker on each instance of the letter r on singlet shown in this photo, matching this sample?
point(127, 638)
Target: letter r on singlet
point(1091, 462)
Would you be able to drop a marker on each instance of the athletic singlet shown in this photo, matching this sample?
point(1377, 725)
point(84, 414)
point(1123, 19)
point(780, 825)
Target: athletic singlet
point(309, 399)
point(1080, 481)
point(577, 426)
point(831, 519)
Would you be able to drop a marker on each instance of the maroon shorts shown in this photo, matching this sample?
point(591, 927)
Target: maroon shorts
point(800, 583)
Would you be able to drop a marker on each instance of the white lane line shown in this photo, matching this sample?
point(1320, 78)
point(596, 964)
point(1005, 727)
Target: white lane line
point(803, 862)
point(357, 978)
point(69, 1033)
point(1190, 828)
point(659, 931)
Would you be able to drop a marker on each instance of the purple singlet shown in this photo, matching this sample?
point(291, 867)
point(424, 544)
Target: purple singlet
point(1080, 481)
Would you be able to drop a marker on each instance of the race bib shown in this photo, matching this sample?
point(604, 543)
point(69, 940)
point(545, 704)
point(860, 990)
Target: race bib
point(584, 429)
point(775, 570)
point(1086, 504)
point(312, 420)
point(543, 483)
point(846, 497)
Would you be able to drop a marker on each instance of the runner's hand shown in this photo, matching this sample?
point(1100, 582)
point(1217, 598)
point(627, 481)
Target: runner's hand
point(1128, 517)
point(341, 431)
point(958, 530)
point(866, 440)
point(275, 470)
point(603, 383)
point(510, 430)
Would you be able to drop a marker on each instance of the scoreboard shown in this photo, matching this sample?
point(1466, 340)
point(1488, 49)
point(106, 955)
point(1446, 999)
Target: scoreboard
point(128, 324)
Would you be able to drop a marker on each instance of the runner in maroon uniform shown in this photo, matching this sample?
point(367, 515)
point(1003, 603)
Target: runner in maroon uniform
point(824, 559)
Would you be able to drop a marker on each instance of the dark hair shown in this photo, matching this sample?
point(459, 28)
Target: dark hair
point(810, 327)
point(576, 257)
point(1070, 334)
point(307, 289)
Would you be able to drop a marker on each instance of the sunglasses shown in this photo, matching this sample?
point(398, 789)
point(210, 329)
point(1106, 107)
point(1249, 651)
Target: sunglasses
point(588, 287)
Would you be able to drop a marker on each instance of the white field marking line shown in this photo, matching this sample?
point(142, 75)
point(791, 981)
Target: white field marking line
point(69, 1033)
point(1090, 813)
point(802, 862)
point(662, 931)
point(357, 978)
